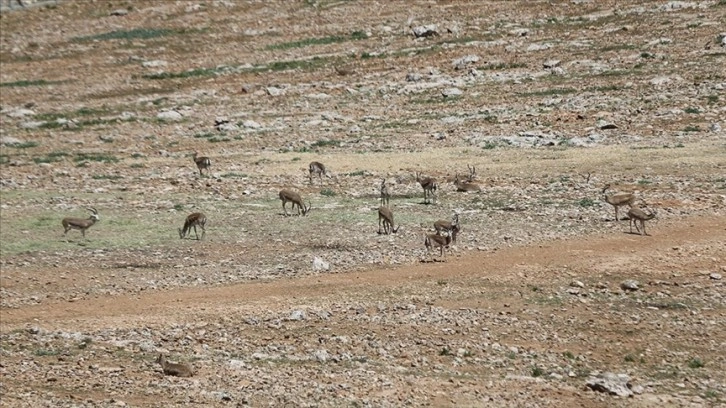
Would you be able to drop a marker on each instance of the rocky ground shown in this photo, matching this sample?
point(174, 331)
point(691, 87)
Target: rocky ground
point(545, 300)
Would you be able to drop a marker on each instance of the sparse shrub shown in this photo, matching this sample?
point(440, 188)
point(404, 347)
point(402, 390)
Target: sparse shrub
point(445, 351)
point(695, 363)
point(25, 145)
point(356, 173)
point(327, 192)
point(692, 110)
point(326, 143)
point(537, 372)
point(586, 202)
point(568, 354)
point(691, 128)
point(97, 157)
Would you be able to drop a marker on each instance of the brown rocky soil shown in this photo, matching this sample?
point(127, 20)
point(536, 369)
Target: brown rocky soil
point(102, 104)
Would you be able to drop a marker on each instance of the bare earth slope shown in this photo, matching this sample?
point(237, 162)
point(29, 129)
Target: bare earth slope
point(103, 103)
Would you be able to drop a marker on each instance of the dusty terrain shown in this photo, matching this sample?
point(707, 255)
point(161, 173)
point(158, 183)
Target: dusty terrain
point(103, 103)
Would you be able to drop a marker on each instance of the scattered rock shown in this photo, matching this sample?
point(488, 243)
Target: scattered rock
point(630, 285)
point(319, 265)
point(451, 92)
point(611, 383)
point(425, 31)
point(170, 115)
point(715, 276)
point(465, 61)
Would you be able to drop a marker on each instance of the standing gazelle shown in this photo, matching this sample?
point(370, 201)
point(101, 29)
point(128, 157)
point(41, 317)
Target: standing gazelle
point(294, 198)
point(385, 217)
point(192, 221)
point(441, 241)
point(319, 169)
point(385, 193)
point(202, 163)
point(636, 216)
point(618, 200)
point(81, 224)
point(448, 226)
point(429, 186)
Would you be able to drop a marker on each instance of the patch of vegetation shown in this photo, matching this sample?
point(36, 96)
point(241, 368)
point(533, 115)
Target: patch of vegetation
point(607, 88)
point(504, 65)
point(445, 351)
point(355, 35)
point(234, 175)
point(712, 394)
point(137, 166)
point(695, 363)
point(51, 157)
point(295, 64)
point(644, 182)
point(204, 135)
point(692, 128)
point(106, 177)
point(327, 192)
point(568, 354)
point(489, 146)
point(367, 55)
point(197, 72)
point(537, 372)
point(647, 55)
point(586, 202)
point(442, 282)
point(712, 99)
point(178, 207)
point(617, 47)
point(96, 157)
point(356, 173)
point(24, 83)
point(549, 92)
point(133, 34)
point(219, 139)
point(25, 145)
point(326, 143)
point(4, 159)
point(693, 111)
point(46, 352)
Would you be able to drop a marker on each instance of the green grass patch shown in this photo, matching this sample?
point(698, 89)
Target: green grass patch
point(326, 143)
point(234, 175)
point(197, 72)
point(106, 177)
point(24, 83)
point(504, 65)
point(644, 182)
point(618, 47)
point(327, 192)
point(133, 34)
point(50, 157)
point(537, 372)
point(204, 135)
point(95, 157)
point(356, 173)
point(550, 92)
point(25, 145)
point(4, 159)
point(586, 202)
point(354, 36)
point(695, 363)
point(45, 352)
point(692, 128)
point(693, 111)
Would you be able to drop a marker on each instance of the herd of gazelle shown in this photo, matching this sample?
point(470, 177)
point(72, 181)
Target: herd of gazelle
point(386, 224)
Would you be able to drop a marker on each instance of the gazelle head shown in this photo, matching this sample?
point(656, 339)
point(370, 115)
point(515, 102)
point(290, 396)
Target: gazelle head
point(94, 213)
point(306, 210)
point(472, 173)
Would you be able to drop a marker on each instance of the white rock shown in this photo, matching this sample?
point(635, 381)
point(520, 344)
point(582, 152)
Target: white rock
point(462, 62)
point(154, 64)
point(170, 115)
point(274, 91)
point(450, 92)
point(320, 265)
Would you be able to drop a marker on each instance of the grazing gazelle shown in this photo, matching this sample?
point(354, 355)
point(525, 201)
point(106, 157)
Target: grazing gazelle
point(385, 193)
point(618, 200)
point(385, 217)
point(448, 226)
point(465, 186)
point(636, 216)
point(192, 221)
point(440, 241)
point(294, 198)
point(202, 163)
point(175, 369)
point(81, 224)
point(319, 169)
point(429, 186)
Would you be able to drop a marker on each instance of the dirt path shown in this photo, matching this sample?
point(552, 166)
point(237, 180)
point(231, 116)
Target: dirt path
point(581, 254)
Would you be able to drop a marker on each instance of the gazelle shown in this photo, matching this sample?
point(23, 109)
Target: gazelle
point(637, 215)
point(385, 193)
point(81, 224)
point(319, 169)
point(448, 226)
point(175, 369)
point(192, 221)
point(472, 173)
point(202, 163)
point(429, 186)
point(294, 198)
point(618, 200)
point(441, 241)
point(465, 186)
point(385, 217)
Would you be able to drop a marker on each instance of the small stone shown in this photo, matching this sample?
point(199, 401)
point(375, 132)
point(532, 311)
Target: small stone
point(451, 92)
point(297, 315)
point(577, 284)
point(425, 31)
point(120, 12)
point(715, 276)
point(630, 284)
point(611, 383)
